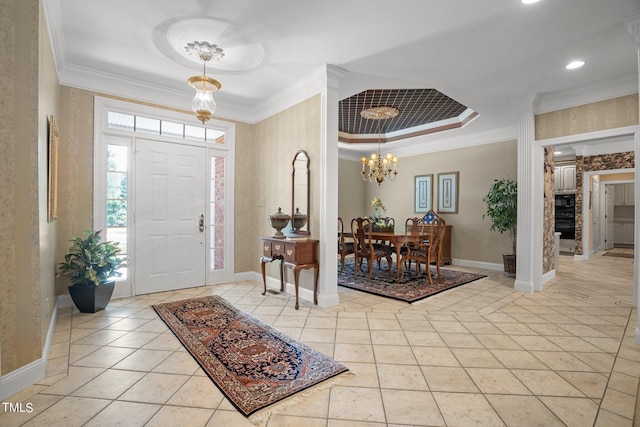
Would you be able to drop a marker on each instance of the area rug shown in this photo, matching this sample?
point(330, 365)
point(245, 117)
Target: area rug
point(253, 364)
point(618, 254)
point(411, 288)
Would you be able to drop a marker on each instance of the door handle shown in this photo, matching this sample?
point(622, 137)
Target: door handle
point(201, 223)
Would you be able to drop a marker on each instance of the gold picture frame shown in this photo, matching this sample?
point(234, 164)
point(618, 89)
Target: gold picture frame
point(52, 190)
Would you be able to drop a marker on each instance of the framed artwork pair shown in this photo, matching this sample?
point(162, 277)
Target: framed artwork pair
point(447, 192)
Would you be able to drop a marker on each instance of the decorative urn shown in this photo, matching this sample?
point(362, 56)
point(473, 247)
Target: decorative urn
point(299, 220)
point(279, 221)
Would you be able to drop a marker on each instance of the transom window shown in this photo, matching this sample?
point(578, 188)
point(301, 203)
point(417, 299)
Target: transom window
point(152, 126)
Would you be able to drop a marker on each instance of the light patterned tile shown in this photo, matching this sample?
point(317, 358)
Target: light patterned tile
point(462, 409)
point(523, 411)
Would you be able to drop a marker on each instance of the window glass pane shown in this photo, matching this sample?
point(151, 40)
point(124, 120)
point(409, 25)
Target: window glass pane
point(195, 133)
point(120, 120)
point(215, 136)
point(116, 185)
point(116, 213)
point(118, 235)
point(173, 129)
point(117, 158)
point(147, 125)
point(217, 208)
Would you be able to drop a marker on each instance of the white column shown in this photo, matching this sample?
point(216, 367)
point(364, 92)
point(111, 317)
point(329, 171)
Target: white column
point(530, 202)
point(633, 26)
point(328, 280)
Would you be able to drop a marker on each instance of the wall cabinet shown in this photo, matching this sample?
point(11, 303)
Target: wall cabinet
point(565, 178)
point(623, 233)
point(624, 194)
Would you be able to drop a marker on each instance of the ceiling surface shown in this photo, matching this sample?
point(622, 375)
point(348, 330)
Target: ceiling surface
point(486, 55)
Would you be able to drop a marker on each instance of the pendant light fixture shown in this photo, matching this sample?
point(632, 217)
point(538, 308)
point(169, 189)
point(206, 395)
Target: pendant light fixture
point(203, 103)
point(377, 168)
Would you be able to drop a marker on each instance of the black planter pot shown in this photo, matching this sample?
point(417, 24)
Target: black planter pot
point(509, 264)
point(90, 299)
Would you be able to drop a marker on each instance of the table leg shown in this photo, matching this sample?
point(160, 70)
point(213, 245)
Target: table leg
point(296, 275)
point(281, 275)
point(397, 263)
point(264, 276)
point(315, 285)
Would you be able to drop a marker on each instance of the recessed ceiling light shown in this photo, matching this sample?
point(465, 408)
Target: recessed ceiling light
point(529, 1)
point(557, 152)
point(574, 64)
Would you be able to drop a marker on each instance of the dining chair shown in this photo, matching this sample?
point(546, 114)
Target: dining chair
point(365, 248)
point(344, 248)
point(428, 253)
point(413, 227)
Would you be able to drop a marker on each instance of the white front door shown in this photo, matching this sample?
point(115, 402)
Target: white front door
point(609, 203)
point(170, 203)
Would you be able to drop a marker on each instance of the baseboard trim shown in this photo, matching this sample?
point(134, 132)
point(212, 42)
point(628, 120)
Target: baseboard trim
point(478, 264)
point(548, 276)
point(523, 286)
point(27, 375)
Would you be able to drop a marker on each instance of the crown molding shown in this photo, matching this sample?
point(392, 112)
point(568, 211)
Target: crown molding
point(305, 88)
point(423, 145)
point(586, 95)
point(633, 27)
point(98, 81)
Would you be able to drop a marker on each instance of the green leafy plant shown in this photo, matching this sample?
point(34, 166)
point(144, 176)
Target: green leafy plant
point(90, 262)
point(502, 207)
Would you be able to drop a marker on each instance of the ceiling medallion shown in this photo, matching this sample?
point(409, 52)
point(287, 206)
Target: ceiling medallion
point(378, 168)
point(203, 103)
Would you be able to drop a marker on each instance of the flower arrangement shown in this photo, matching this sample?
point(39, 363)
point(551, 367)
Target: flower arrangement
point(380, 224)
point(376, 204)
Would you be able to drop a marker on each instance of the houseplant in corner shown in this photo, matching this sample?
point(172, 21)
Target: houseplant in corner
point(502, 209)
point(90, 266)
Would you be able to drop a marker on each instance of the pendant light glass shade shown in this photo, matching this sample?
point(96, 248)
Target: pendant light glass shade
point(203, 103)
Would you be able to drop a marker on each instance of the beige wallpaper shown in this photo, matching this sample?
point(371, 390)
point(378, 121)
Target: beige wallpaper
point(275, 143)
point(21, 288)
point(608, 114)
point(478, 166)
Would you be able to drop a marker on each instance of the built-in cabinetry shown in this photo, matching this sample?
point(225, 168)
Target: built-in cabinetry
point(565, 178)
point(623, 231)
point(624, 194)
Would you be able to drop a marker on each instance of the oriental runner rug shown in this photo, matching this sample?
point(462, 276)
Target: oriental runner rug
point(253, 364)
point(411, 288)
point(619, 254)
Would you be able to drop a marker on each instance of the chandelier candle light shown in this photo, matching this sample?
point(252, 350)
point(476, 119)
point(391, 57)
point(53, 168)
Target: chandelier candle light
point(379, 168)
point(203, 103)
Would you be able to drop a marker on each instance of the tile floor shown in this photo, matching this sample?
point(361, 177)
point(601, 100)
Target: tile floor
point(481, 354)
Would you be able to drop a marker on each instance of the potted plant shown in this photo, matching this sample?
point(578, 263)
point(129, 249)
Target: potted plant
point(90, 266)
point(502, 209)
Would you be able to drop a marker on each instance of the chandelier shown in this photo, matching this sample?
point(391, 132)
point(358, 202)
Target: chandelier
point(379, 168)
point(203, 103)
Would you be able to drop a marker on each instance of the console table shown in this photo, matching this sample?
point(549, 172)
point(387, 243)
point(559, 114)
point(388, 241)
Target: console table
point(296, 254)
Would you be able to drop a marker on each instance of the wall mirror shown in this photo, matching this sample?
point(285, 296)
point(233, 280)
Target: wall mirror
point(300, 193)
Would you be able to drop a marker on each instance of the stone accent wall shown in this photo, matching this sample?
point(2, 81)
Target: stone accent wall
point(548, 238)
point(602, 162)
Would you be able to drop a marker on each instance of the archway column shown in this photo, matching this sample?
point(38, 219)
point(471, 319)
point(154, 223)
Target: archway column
point(633, 26)
point(530, 201)
point(328, 282)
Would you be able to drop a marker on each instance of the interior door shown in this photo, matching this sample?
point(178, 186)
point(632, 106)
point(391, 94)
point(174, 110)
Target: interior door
point(609, 203)
point(595, 214)
point(170, 201)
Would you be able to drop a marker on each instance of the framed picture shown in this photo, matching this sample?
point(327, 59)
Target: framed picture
point(52, 190)
point(448, 192)
point(423, 191)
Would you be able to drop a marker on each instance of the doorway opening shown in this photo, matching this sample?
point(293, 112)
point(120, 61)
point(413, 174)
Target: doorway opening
point(164, 190)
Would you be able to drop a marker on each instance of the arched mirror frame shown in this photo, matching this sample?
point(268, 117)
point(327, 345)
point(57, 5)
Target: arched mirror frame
point(303, 185)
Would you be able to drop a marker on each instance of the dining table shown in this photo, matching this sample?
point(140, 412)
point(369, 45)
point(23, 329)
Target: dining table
point(397, 240)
